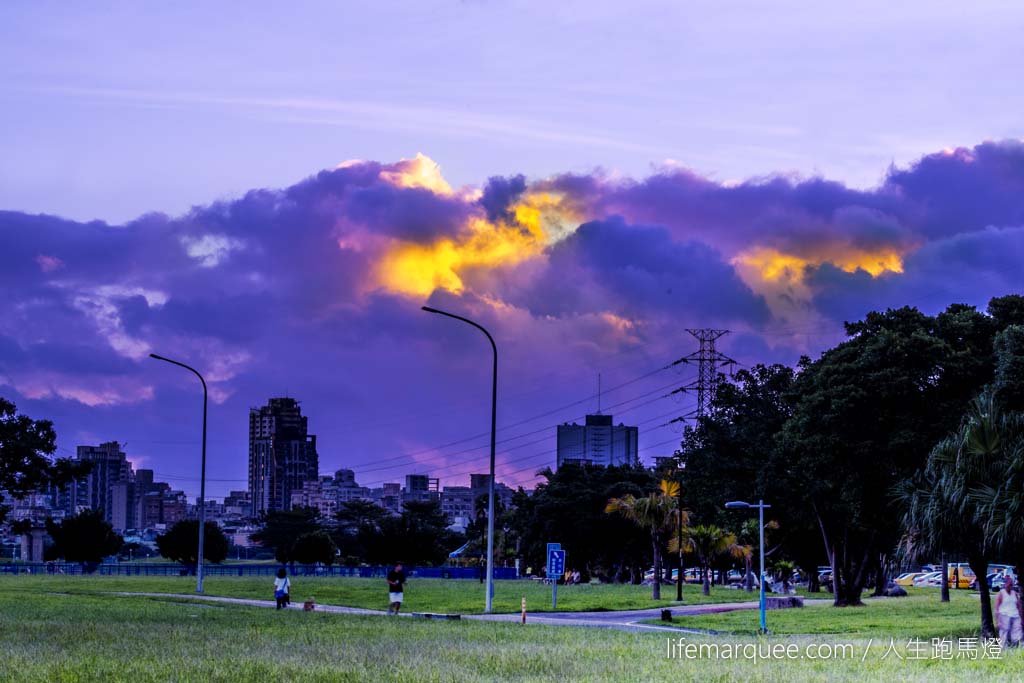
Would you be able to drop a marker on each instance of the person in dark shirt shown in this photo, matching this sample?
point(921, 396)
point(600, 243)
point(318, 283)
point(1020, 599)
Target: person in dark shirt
point(396, 582)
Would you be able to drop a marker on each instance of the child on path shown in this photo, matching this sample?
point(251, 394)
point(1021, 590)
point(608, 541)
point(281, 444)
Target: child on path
point(282, 587)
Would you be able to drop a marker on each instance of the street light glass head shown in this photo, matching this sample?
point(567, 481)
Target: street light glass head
point(737, 504)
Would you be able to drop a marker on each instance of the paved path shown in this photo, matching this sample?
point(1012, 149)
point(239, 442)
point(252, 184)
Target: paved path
point(623, 620)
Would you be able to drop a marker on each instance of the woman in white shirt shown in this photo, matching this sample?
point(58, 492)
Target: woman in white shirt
point(1008, 614)
point(282, 587)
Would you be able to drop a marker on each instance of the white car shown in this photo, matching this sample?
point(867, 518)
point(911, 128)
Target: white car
point(929, 579)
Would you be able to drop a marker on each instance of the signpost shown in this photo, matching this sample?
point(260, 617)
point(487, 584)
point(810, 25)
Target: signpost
point(556, 567)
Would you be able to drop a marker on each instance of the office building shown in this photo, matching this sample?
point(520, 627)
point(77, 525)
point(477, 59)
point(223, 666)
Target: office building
point(597, 442)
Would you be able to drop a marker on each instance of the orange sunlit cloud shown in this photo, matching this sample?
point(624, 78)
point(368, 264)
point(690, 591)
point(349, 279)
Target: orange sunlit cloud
point(780, 277)
point(536, 220)
point(771, 265)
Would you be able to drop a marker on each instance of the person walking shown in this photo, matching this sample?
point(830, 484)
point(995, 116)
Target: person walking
point(282, 588)
point(396, 589)
point(1008, 614)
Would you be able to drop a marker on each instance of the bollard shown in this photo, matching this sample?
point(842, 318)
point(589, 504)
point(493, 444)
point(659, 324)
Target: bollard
point(524, 609)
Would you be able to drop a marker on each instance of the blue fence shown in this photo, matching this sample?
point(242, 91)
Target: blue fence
point(144, 569)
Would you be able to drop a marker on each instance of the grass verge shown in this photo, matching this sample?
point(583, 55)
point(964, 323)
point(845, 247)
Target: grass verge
point(82, 638)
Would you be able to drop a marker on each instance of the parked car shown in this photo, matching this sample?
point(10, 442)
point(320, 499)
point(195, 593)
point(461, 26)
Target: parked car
point(928, 580)
point(996, 581)
point(907, 578)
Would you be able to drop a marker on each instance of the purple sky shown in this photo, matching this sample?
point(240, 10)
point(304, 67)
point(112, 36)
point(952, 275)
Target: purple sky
point(597, 182)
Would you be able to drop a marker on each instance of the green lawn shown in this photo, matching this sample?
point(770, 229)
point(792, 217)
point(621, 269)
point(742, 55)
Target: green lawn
point(421, 595)
point(920, 614)
point(84, 638)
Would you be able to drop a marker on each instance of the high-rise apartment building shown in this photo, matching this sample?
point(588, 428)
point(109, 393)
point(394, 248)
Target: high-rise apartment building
point(107, 487)
point(282, 454)
point(598, 442)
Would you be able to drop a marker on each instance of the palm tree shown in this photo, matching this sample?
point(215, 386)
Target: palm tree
point(962, 501)
point(656, 513)
point(749, 537)
point(709, 542)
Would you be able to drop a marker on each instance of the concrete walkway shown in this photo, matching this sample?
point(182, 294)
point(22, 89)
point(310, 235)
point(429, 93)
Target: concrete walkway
point(623, 620)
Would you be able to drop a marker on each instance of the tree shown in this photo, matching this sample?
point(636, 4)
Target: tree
point(282, 527)
point(358, 527)
point(749, 538)
point(569, 508)
point(85, 538)
point(504, 534)
point(710, 542)
point(26, 465)
point(726, 451)
point(864, 417)
point(954, 504)
point(419, 535)
point(654, 513)
point(1009, 379)
point(313, 548)
point(181, 543)
point(732, 453)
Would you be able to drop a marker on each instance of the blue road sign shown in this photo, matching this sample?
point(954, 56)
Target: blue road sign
point(551, 546)
point(556, 563)
point(556, 567)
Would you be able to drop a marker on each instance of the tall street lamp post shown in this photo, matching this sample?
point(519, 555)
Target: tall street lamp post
point(734, 504)
point(679, 519)
point(488, 603)
point(202, 474)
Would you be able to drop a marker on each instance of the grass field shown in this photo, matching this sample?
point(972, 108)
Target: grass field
point(433, 595)
point(919, 614)
point(81, 638)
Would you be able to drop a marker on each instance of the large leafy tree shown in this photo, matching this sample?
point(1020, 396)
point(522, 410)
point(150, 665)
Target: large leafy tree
point(656, 513)
point(26, 450)
point(313, 548)
point(732, 454)
point(725, 453)
point(419, 535)
point(1009, 376)
point(568, 508)
point(85, 538)
point(864, 417)
point(181, 543)
point(358, 527)
point(281, 528)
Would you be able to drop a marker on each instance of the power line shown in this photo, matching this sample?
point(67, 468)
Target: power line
point(547, 413)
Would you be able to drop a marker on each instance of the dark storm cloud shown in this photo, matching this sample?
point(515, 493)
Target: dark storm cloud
point(940, 195)
point(966, 189)
point(499, 194)
point(277, 291)
point(639, 271)
point(965, 268)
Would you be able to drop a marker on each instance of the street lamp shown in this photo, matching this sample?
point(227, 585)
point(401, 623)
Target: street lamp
point(488, 603)
point(679, 515)
point(202, 473)
point(734, 504)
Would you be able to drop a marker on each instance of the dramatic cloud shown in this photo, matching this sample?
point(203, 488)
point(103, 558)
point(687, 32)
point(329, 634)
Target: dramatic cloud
point(314, 290)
